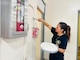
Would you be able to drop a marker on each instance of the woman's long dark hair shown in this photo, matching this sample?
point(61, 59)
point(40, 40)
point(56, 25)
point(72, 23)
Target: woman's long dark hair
point(66, 29)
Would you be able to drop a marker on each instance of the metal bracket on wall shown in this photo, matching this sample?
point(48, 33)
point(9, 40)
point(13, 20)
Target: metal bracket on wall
point(34, 18)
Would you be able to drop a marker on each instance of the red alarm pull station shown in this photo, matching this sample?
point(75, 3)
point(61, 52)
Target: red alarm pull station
point(35, 32)
point(20, 16)
point(20, 26)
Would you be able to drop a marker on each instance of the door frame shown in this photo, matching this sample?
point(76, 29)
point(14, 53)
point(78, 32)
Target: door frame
point(42, 34)
point(43, 10)
point(78, 33)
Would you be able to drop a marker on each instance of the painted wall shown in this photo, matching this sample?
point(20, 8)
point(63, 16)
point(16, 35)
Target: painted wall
point(0, 18)
point(67, 11)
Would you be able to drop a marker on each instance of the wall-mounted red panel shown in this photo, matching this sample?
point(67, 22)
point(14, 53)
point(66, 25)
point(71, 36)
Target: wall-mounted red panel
point(13, 18)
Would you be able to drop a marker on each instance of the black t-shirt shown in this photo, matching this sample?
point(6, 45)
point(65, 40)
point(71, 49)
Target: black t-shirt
point(61, 39)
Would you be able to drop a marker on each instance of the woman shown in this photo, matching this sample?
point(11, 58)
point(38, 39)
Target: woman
point(61, 35)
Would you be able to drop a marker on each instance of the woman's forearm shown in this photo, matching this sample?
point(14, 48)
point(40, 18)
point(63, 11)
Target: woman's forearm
point(61, 50)
point(45, 23)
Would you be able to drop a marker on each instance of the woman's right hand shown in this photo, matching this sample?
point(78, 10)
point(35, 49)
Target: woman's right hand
point(40, 20)
point(45, 23)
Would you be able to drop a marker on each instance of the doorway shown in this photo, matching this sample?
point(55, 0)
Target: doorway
point(40, 36)
point(78, 35)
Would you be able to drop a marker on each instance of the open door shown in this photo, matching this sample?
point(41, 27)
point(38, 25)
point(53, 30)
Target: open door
point(39, 38)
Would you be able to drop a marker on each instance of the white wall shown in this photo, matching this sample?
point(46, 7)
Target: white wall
point(56, 10)
point(67, 11)
point(0, 18)
point(20, 48)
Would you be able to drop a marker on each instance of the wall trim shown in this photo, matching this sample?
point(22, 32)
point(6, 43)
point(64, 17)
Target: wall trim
point(41, 5)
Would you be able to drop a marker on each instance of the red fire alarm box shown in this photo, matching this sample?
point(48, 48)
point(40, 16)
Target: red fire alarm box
point(20, 8)
point(35, 32)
